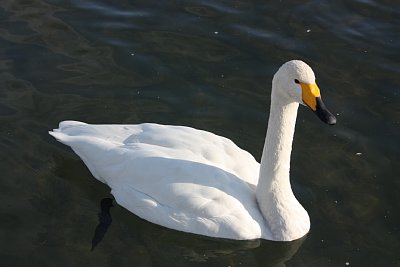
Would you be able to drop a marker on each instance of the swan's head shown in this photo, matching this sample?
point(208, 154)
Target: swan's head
point(295, 82)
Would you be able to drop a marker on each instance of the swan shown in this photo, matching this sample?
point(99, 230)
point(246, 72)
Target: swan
point(195, 181)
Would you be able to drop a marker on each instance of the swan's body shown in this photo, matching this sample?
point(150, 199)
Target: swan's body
point(198, 182)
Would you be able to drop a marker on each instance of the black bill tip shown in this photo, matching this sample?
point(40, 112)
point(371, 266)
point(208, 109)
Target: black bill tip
point(323, 113)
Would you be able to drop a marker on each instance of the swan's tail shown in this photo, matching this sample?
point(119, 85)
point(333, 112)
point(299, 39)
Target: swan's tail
point(61, 133)
point(70, 134)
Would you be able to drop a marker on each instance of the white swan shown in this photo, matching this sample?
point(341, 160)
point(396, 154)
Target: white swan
point(198, 182)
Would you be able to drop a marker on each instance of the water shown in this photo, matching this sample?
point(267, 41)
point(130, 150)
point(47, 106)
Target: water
point(206, 64)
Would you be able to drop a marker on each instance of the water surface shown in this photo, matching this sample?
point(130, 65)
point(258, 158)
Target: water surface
point(206, 64)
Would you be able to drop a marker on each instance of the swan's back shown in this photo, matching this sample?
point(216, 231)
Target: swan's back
point(179, 177)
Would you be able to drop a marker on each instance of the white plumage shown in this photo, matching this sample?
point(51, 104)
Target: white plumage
point(195, 181)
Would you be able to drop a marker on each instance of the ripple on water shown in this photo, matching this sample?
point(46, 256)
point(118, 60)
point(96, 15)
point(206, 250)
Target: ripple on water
point(201, 11)
point(110, 10)
point(179, 44)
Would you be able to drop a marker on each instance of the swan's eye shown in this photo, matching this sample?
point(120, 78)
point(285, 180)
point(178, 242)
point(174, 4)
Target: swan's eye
point(296, 81)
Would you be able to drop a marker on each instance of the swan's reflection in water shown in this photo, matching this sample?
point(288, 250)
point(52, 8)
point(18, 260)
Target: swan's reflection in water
point(172, 248)
point(160, 246)
point(105, 221)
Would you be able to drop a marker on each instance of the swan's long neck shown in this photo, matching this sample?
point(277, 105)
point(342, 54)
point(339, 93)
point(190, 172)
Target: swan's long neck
point(284, 215)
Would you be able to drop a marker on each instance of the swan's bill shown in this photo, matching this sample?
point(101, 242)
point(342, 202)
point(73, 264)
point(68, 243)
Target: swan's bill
point(323, 113)
point(309, 94)
point(312, 98)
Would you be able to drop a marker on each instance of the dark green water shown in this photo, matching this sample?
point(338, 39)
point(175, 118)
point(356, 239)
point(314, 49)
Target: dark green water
point(206, 64)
